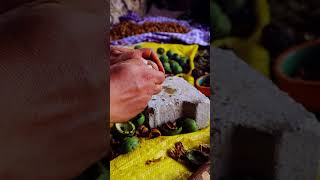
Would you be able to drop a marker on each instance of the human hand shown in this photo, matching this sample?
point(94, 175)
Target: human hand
point(132, 84)
point(53, 95)
point(119, 54)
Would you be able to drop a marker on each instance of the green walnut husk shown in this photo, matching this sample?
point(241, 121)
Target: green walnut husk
point(172, 62)
point(160, 50)
point(176, 68)
point(196, 158)
point(220, 22)
point(170, 129)
point(139, 120)
point(129, 144)
point(122, 130)
point(176, 57)
point(234, 5)
point(189, 125)
point(167, 67)
point(183, 61)
point(164, 58)
point(170, 53)
point(223, 26)
point(137, 47)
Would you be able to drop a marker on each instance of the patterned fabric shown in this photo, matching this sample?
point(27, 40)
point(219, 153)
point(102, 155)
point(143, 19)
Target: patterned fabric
point(197, 35)
point(132, 16)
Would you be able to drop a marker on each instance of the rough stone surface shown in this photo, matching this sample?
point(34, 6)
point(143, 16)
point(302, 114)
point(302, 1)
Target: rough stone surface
point(178, 99)
point(243, 97)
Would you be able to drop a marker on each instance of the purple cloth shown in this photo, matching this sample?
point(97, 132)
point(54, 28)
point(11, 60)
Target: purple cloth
point(197, 35)
point(193, 37)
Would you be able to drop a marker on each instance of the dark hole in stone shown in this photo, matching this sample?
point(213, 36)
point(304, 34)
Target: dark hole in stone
point(252, 155)
point(189, 109)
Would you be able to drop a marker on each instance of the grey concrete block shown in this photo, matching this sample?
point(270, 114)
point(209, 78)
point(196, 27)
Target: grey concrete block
point(244, 99)
point(178, 99)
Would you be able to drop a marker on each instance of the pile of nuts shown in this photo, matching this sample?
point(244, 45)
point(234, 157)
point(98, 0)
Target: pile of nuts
point(193, 158)
point(202, 63)
point(127, 28)
point(125, 136)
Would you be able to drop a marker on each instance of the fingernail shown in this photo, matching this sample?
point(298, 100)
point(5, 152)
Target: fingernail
point(144, 61)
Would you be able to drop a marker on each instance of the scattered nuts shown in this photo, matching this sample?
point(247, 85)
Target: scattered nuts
point(127, 28)
point(154, 133)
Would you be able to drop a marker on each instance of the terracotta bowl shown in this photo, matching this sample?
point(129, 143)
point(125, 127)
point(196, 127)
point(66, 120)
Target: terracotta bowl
point(199, 85)
point(306, 92)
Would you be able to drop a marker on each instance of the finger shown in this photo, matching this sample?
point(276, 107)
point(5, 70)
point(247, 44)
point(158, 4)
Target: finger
point(119, 50)
point(156, 77)
point(157, 89)
point(151, 88)
point(144, 61)
point(154, 58)
point(150, 55)
point(153, 65)
point(135, 61)
point(130, 55)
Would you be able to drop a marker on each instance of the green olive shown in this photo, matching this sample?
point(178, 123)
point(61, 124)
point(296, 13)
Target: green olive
point(170, 53)
point(139, 120)
point(189, 125)
point(129, 144)
point(160, 51)
point(164, 58)
point(177, 69)
point(125, 129)
point(137, 47)
point(167, 67)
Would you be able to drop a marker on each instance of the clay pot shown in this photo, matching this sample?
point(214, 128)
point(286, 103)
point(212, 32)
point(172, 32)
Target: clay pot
point(306, 92)
point(203, 89)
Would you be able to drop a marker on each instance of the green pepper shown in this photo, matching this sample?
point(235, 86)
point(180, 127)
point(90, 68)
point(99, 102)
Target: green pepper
point(125, 129)
point(139, 120)
point(189, 125)
point(129, 144)
point(160, 50)
point(164, 59)
point(170, 53)
point(167, 67)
